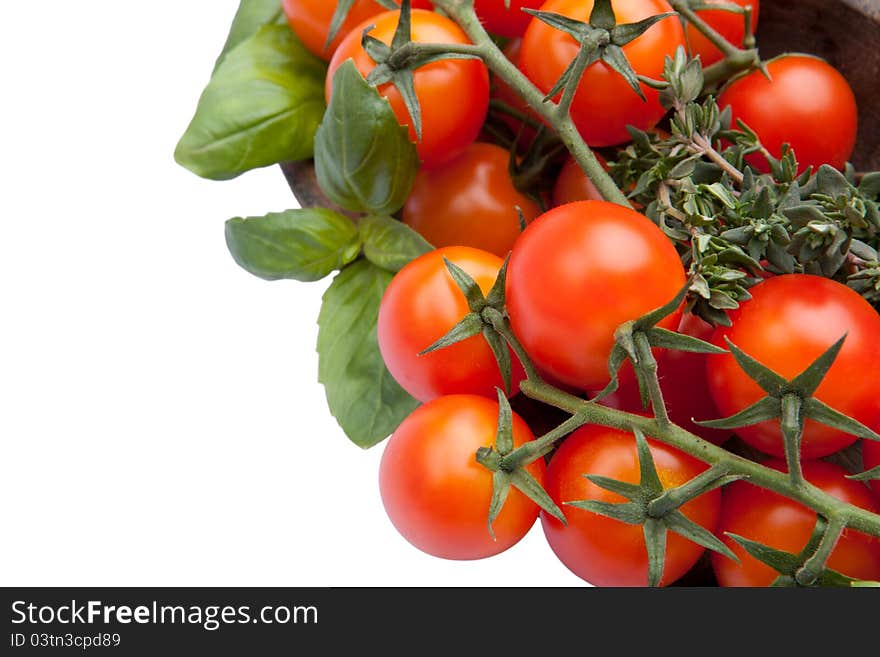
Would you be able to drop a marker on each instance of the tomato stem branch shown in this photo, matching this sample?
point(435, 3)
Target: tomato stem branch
point(647, 366)
point(735, 59)
point(813, 567)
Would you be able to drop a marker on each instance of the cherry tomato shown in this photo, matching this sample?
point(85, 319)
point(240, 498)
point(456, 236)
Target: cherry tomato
point(771, 519)
point(453, 93)
point(683, 382)
point(575, 185)
point(310, 21)
point(435, 492)
point(576, 274)
point(470, 201)
point(728, 24)
point(420, 306)
point(605, 103)
point(604, 551)
point(506, 21)
point(808, 104)
point(871, 457)
point(790, 321)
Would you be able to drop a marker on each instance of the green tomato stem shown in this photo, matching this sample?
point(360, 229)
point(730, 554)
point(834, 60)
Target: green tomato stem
point(813, 567)
point(585, 412)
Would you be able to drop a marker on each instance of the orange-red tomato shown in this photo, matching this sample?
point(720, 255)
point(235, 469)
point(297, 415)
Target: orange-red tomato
point(605, 103)
point(728, 24)
point(453, 93)
point(789, 322)
point(310, 21)
point(435, 492)
point(420, 306)
point(576, 274)
point(771, 519)
point(575, 185)
point(604, 551)
point(807, 104)
point(470, 201)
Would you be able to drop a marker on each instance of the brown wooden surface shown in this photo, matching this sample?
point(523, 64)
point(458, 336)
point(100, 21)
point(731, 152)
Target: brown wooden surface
point(845, 32)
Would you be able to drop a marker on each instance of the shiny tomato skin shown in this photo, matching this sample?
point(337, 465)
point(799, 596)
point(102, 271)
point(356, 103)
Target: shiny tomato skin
point(469, 201)
point(310, 21)
point(771, 519)
point(506, 21)
point(871, 457)
point(683, 382)
point(574, 185)
point(808, 104)
point(453, 93)
point(420, 306)
point(790, 321)
point(605, 103)
point(604, 551)
point(579, 271)
point(728, 24)
point(434, 491)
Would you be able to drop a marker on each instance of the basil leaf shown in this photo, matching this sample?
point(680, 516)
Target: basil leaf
point(305, 245)
point(364, 160)
point(250, 17)
point(262, 107)
point(363, 397)
point(391, 244)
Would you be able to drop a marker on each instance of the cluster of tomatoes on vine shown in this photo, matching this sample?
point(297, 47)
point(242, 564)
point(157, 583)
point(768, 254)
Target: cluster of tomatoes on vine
point(575, 274)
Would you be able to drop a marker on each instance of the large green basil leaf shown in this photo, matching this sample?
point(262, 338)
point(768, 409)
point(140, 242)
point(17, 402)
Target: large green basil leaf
point(250, 17)
point(261, 107)
point(305, 245)
point(391, 244)
point(363, 397)
point(364, 159)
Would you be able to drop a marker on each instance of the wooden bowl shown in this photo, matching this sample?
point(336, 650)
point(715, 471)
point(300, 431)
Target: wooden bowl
point(845, 32)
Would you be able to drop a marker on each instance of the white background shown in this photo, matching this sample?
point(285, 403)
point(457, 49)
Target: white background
point(160, 418)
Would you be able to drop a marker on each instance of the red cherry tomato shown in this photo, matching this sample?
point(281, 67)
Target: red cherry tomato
point(728, 24)
point(505, 21)
point(435, 492)
point(470, 201)
point(605, 103)
point(310, 21)
point(808, 104)
point(577, 273)
point(604, 551)
point(575, 185)
point(420, 306)
point(684, 384)
point(771, 519)
point(790, 321)
point(453, 93)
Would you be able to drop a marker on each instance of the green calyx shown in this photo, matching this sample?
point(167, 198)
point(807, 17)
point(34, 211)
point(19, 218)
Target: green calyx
point(657, 510)
point(485, 313)
point(807, 568)
point(503, 477)
point(601, 39)
point(634, 340)
point(791, 402)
